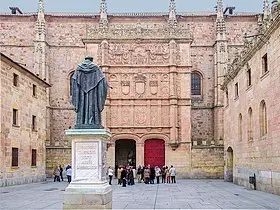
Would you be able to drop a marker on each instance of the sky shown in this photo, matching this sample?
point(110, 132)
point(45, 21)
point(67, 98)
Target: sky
point(129, 5)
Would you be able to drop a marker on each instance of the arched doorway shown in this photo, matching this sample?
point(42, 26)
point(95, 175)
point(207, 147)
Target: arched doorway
point(125, 153)
point(229, 165)
point(154, 152)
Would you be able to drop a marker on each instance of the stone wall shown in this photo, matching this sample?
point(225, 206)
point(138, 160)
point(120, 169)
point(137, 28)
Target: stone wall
point(64, 38)
point(207, 162)
point(21, 135)
point(57, 156)
point(259, 154)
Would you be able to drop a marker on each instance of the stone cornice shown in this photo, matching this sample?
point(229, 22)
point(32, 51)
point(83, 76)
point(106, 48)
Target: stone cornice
point(249, 51)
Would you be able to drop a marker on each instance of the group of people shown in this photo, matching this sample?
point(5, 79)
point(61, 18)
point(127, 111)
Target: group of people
point(58, 173)
point(146, 174)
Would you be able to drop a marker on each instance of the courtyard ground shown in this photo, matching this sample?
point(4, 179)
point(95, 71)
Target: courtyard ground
point(186, 194)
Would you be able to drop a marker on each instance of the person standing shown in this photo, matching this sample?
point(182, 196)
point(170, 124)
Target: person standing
point(158, 172)
point(163, 175)
point(119, 171)
point(110, 174)
point(60, 172)
point(147, 175)
point(172, 171)
point(152, 175)
point(69, 173)
point(56, 174)
point(139, 171)
point(123, 177)
point(167, 175)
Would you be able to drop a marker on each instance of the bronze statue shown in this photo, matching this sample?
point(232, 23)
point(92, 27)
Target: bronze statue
point(89, 92)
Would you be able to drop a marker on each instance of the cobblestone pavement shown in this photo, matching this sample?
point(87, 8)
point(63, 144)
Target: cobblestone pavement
point(186, 194)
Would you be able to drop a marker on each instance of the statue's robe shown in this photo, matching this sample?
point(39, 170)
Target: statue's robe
point(89, 92)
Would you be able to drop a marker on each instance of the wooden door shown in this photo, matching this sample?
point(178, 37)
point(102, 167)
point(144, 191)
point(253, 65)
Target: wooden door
point(154, 152)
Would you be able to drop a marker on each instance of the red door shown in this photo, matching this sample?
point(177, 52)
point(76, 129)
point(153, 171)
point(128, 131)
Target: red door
point(154, 153)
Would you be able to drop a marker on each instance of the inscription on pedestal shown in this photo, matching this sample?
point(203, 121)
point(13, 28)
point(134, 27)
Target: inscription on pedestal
point(86, 161)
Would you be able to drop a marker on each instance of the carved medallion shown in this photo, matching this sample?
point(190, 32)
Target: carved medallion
point(125, 87)
point(140, 84)
point(154, 87)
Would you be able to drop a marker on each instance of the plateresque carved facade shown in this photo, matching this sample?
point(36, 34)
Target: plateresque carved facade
point(165, 105)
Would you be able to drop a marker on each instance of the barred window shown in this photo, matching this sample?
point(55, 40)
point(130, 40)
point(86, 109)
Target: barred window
point(250, 124)
point(33, 157)
point(240, 127)
point(196, 84)
point(264, 64)
point(263, 119)
point(15, 117)
point(14, 157)
point(70, 83)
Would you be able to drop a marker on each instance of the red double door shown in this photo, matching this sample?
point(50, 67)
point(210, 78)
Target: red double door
point(154, 153)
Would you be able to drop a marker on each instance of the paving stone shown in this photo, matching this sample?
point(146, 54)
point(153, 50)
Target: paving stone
point(208, 194)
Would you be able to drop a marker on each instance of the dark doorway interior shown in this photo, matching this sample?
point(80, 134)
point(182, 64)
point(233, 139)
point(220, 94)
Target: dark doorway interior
point(125, 153)
point(229, 165)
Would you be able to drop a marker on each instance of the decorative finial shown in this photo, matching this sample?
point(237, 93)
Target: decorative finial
point(172, 21)
point(41, 9)
point(103, 14)
point(41, 23)
point(266, 13)
point(220, 13)
point(220, 22)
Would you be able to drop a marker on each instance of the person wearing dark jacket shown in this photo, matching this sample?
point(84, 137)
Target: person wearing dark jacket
point(123, 177)
point(152, 175)
point(61, 170)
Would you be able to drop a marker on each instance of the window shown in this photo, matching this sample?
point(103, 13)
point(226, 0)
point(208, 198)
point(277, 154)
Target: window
point(249, 78)
point(263, 119)
point(34, 157)
point(70, 89)
point(34, 123)
point(250, 124)
point(236, 90)
point(34, 90)
point(264, 64)
point(15, 80)
point(195, 84)
point(14, 157)
point(15, 117)
point(240, 127)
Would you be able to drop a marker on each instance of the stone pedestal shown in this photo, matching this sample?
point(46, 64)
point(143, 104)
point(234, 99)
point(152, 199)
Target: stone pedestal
point(89, 188)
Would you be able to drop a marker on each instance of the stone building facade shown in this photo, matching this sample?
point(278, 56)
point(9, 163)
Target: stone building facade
point(252, 116)
point(23, 124)
point(165, 70)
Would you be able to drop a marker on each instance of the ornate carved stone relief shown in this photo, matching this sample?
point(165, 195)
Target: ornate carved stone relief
point(138, 31)
point(142, 54)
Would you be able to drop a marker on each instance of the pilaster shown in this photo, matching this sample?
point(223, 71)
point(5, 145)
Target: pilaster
point(221, 58)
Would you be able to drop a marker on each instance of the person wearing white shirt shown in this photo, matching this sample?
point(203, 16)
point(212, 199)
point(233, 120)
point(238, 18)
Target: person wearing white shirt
point(172, 172)
point(69, 173)
point(110, 174)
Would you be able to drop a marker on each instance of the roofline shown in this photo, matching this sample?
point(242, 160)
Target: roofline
point(131, 14)
point(17, 65)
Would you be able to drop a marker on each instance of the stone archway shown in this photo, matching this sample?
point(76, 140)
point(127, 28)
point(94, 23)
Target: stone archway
point(125, 152)
point(229, 165)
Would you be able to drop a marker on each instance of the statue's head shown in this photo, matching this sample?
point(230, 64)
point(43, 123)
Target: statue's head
point(90, 58)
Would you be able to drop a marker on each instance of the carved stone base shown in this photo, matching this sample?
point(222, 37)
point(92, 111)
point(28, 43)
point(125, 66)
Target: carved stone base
point(89, 188)
point(88, 196)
